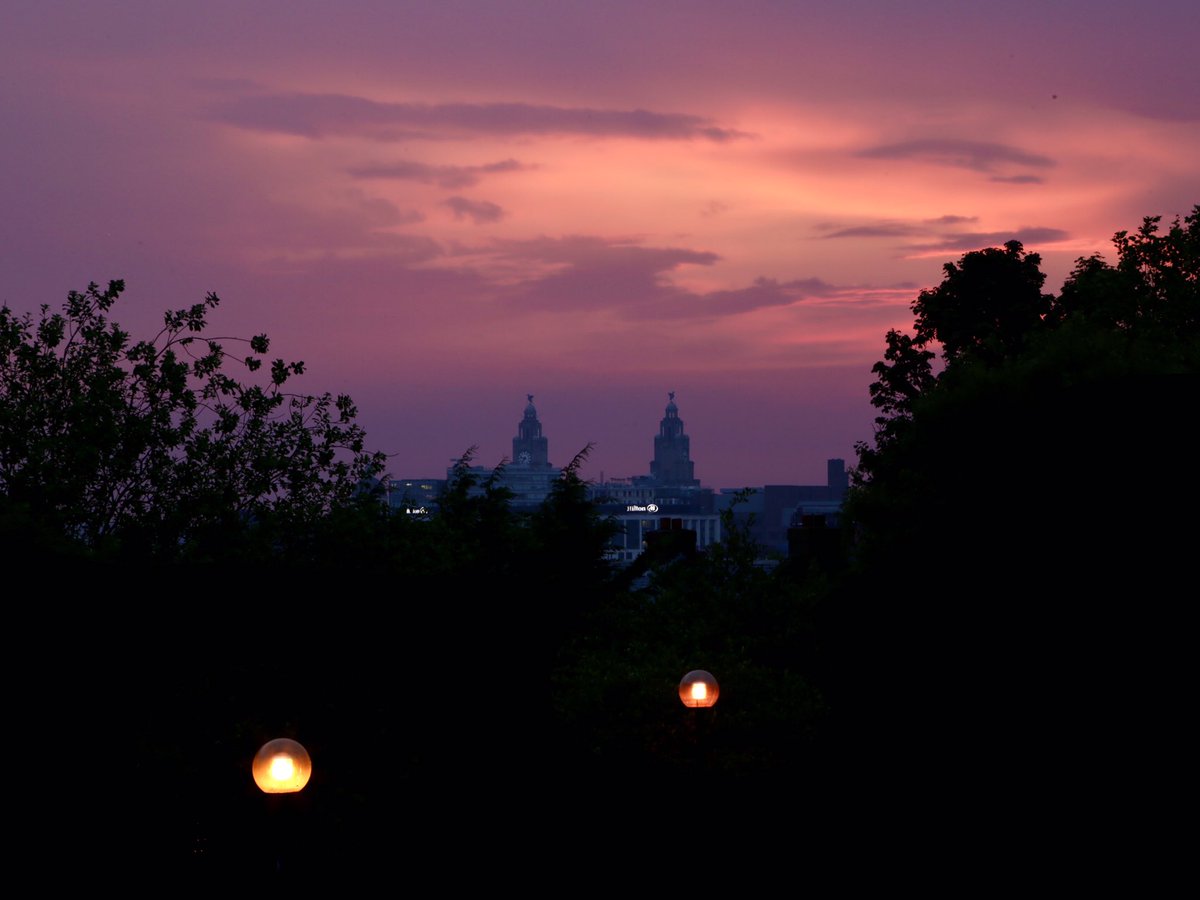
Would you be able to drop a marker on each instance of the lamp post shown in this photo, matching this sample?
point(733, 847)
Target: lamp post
point(281, 766)
point(698, 691)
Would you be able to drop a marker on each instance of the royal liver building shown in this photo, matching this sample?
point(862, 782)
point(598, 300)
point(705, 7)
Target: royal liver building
point(672, 465)
point(529, 475)
point(668, 498)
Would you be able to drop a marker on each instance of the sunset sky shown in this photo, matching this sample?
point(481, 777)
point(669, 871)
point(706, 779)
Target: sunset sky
point(444, 206)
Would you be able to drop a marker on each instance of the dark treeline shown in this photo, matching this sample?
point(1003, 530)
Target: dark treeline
point(1025, 517)
point(197, 563)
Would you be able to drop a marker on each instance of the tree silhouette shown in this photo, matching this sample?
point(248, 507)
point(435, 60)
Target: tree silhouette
point(149, 450)
point(1021, 516)
point(986, 306)
point(1022, 407)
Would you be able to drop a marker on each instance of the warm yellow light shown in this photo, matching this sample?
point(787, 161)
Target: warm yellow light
point(281, 766)
point(698, 689)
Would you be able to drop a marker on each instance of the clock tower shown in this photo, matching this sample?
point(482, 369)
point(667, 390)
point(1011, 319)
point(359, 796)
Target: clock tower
point(672, 464)
point(530, 449)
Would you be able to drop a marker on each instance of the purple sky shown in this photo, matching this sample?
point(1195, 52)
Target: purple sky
point(441, 207)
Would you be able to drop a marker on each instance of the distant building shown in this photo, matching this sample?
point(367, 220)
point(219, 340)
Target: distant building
point(641, 509)
point(670, 498)
point(672, 464)
point(414, 496)
point(774, 508)
point(530, 449)
point(529, 475)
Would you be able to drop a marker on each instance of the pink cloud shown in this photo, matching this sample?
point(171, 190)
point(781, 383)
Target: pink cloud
point(980, 156)
point(1029, 237)
point(481, 212)
point(443, 176)
point(596, 273)
point(322, 115)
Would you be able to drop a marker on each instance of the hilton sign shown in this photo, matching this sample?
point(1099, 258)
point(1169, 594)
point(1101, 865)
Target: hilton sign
point(648, 508)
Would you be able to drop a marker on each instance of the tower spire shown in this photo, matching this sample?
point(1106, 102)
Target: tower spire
point(672, 464)
point(529, 447)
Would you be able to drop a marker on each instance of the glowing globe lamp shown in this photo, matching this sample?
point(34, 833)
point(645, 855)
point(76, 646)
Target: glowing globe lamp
point(698, 689)
point(281, 766)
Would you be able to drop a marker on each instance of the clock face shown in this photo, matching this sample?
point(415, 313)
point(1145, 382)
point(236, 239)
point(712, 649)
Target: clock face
point(524, 456)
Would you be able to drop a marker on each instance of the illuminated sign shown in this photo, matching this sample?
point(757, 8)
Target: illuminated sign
point(648, 508)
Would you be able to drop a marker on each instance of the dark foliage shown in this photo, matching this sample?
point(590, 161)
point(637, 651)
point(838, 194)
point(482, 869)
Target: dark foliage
point(1022, 523)
point(113, 449)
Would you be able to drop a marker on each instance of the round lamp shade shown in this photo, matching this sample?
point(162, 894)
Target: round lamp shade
point(281, 766)
point(698, 689)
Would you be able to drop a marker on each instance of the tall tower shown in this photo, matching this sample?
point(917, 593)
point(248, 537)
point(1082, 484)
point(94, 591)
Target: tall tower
point(672, 464)
point(530, 449)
